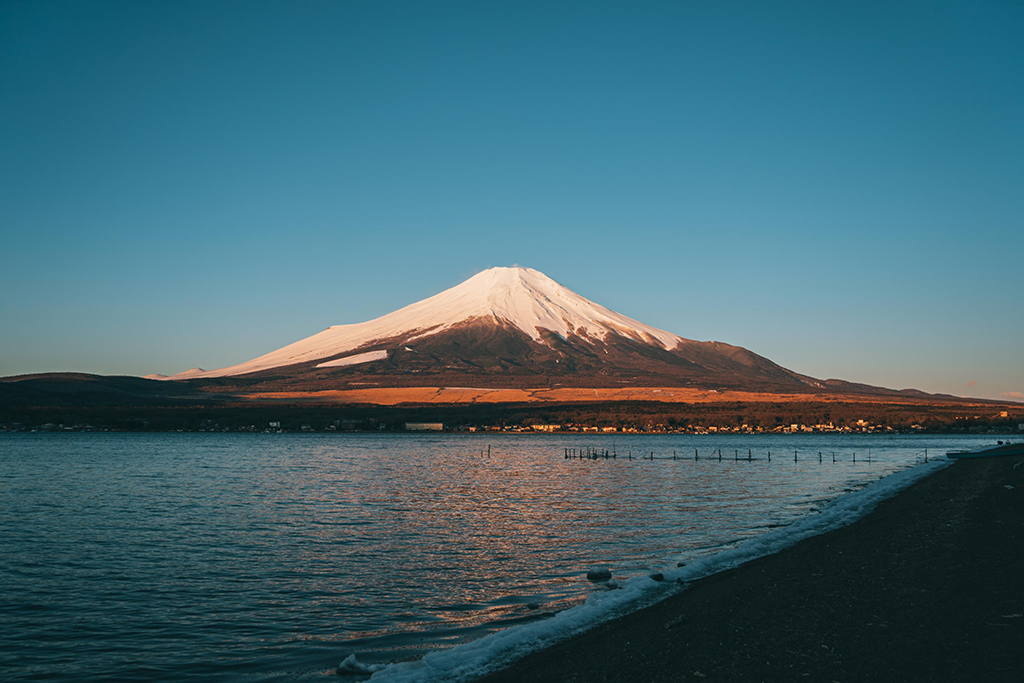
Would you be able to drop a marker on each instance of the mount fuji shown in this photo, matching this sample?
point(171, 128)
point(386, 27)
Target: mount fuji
point(506, 327)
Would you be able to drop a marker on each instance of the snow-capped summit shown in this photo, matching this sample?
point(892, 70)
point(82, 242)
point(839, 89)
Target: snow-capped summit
point(520, 298)
point(528, 300)
point(504, 327)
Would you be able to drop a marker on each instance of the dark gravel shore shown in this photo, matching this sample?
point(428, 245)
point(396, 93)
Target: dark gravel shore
point(928, 587)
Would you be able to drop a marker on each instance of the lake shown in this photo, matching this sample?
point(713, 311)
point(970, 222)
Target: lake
point(273, 557)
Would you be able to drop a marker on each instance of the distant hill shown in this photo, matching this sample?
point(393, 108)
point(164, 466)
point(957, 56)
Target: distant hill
point(74, 389)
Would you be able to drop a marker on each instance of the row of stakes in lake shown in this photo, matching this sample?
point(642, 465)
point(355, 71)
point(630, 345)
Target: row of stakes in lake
point(590, 453)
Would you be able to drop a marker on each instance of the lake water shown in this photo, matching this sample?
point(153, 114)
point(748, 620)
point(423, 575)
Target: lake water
point(274, 557)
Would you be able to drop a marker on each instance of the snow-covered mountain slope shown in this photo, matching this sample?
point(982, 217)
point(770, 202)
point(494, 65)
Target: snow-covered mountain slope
point(519, 298)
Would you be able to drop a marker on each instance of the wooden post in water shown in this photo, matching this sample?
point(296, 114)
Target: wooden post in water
point(855, 457)
point(769, 456)
point(833, 456)
point(735, 455)
point(696, 456)
point(750, 455)
point(488, 450)
point(794, 455)
point(926, 455)
point(819, 456)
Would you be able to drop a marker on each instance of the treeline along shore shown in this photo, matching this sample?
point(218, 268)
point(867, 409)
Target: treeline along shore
point(925, 588)
point(647, 417)
point(70, 401)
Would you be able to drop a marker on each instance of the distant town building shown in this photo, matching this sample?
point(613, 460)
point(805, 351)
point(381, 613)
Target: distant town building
point(424, 426)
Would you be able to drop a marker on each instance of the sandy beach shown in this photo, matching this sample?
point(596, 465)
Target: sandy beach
point(928, 587)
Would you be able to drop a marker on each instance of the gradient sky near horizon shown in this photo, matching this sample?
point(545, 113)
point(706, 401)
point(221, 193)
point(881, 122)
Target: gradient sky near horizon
point(836, 186)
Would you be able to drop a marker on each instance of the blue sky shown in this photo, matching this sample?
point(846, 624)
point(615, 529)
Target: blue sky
point(836, 186)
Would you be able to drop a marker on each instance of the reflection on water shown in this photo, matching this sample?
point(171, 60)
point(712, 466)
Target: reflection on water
point(272, 557)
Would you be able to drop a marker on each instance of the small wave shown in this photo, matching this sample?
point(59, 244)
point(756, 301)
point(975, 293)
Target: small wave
point(352, 665)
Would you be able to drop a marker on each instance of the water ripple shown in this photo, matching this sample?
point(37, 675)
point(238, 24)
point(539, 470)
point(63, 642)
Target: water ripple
point(272, 557)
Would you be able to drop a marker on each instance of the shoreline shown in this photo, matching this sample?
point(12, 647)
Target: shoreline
point(923, 587)
point(476, 658)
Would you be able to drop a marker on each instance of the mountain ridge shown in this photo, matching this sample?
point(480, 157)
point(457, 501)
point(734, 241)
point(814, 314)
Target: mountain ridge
point(505, 335)
point(508, 328)
point(523, 298)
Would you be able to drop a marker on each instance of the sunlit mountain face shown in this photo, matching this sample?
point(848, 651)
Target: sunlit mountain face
point(509, 327)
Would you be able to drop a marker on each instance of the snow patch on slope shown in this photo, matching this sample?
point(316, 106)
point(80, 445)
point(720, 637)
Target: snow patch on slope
point(355, 360)
point(521, 297)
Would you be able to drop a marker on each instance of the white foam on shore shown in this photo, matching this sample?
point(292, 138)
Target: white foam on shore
point(474, 659)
